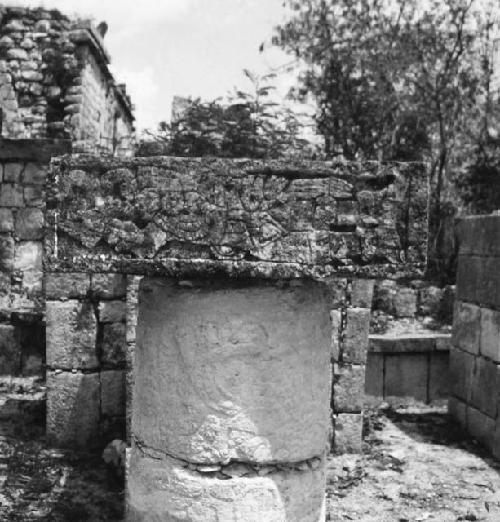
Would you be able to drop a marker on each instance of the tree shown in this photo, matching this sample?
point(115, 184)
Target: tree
point(250, 124)
point(396, 81)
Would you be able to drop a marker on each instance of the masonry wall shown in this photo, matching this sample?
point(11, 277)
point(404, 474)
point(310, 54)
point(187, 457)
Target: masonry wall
point(55, 83)
point(475, 356)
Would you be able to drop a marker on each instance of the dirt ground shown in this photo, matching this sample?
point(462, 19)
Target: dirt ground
point(417, 466)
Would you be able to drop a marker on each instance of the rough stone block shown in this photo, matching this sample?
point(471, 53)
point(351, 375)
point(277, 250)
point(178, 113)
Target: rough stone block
point(338, 290)
point(467, 327)
point(490, 334)
point(6, 220)
point(71, 335)
point(461, 368)
point(348, 388)
point(29, 223)
point(406, 376)
point(28, 256)
point(34, 196)
point(114, 346)
point(443, 342)
point(439, 376)
point(405, 302)
point(109, 286)
point(113, 393)
point(66, 285)
point(6, 253)
point(10, 351)
point(348, 429)
point(112, 311)
point(481, 427)
point(362, 293)
point(73, 408)
point(383, 296)
point(336, 318)
point(374, 375)
point(484, 395)
point(229, 363)
point(11, 195)
point(429, 300)
point(12, 172)
point(457, 409)
point(402, 343)
point(34, 174)
point(356, 334)
point(489, 285)
point(165, 490)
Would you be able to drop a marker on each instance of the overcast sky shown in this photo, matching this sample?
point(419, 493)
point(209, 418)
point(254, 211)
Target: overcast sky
point(187, 47)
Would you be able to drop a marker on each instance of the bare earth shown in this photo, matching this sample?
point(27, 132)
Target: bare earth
point(417, 466)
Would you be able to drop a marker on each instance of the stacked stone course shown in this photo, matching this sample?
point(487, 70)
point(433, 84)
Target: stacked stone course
point(475, 357)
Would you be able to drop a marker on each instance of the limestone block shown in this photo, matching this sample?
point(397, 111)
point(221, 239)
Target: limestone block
point(6, 253)
point(489, 285)
point(113, 393)
point(461, 368)
point(71, 334)
point(348, 388)
point(356, 333)
point(439, 376)
point(73, 408)
point(12, 172)
point(34, 196)
point(338, 289)
point(406, 376)
point(11, 195)
point(481, 427)
point(490, 334)
point(484, 395)
point(114, 346)
point(457, 409)
point(34, 174)
point(6, 220)
point(469, 278)
point(10, 351)
point(362, 293)
point(164, 490)
point(443, 342)
point(374, 375)
point(384, 292)
point(402, 343)
point(109, 286)
point(66, 285)
point(467, 327)
point(405, 302)
point(221, 366)
point(429, 302)
point(112, 311)
point(336, 318)
point(348, 436)
point(29, 223)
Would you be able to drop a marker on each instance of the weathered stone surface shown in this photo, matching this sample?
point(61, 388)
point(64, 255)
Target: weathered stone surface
point(11, 195)
point(439, 377)
point(374, 376)
point(490, 334)
point(481, 427)
point(34, 174)
point(113, 393)
point(479, 235)
point(29, 223)
point(165, 490)
point(6, 253)
point(348, 433)
point(6, 220)
point(232, 210)
point(406, 376)
point(12, 172)
point(484, 389)
point(402, 343)
point(73, 408)
point(461, 368)
point(469, 274)
point(362, 293)
point(467, 327)
point(71, 335)
point(349, 385)
point(10, 351)
point(114, 345)
point(458, 410)
point(66, 285)
point(356, 335)
point(223, 365)
point(336, 318)
point(112, 311)
point(109, 286)
point(405, 302)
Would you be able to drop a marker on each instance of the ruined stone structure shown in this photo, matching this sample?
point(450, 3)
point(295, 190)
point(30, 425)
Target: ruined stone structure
point(55, 83)
point(475, 358)
point(248, 282)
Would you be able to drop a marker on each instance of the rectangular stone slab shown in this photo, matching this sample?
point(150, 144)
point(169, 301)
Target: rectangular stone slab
point(275, 219)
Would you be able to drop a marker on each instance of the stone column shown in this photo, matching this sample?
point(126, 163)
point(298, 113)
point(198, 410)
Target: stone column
point(231, 408)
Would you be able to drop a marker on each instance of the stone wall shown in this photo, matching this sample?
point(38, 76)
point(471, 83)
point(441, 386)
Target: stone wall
point(23, 170)
point(475, 357)
point(55, 83)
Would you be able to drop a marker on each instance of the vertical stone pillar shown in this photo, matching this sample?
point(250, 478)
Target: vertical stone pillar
point(351, 325)
point(231, 409)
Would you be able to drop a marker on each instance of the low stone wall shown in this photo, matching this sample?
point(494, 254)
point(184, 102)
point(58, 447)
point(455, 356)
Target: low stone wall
point(403, 368)
point(475, 357)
